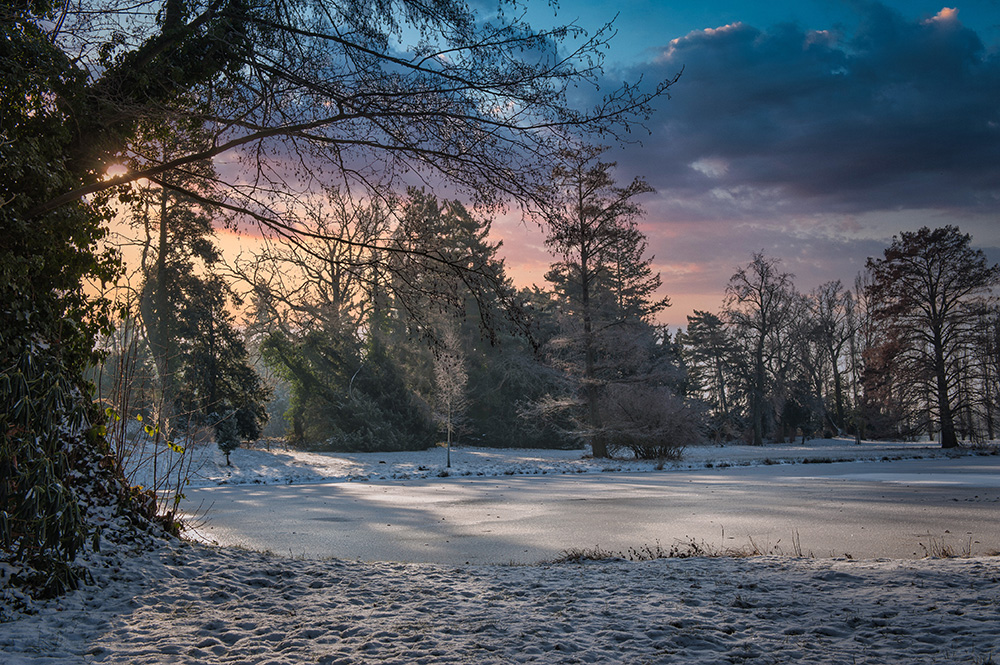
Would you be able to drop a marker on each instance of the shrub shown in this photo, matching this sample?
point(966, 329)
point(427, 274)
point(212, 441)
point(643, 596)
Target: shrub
point(651, 422)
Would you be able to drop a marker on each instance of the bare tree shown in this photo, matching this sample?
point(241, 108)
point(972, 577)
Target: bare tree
point(759, 305)
point(303, 95)
point(831, 305)
point(450, 377)
point(930, 287)
point(335, 279)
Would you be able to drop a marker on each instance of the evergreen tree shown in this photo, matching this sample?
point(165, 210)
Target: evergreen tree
point(348, 394)
point(709, 353)
point(603, 280)
point(202, 362)
point(503, 374)
point(50, 433)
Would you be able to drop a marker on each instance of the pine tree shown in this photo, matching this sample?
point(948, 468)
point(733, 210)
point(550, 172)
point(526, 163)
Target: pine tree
point(202, 362)
point(603, 279)
point(709, 353)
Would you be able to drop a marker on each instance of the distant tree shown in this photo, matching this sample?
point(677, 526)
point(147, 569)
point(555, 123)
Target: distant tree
point(201, 359)
point(831, 306)
point(335, 277)
point(709, 352)
point(215, 374)
point(760, 300)
point(987, 359)
point(445, 264)
point(302, 94)
point(651, 422)
point(227, 435)
point(929, 288)
point(348, 393)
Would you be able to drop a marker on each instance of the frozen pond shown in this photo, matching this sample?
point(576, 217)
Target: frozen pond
point(898, 509)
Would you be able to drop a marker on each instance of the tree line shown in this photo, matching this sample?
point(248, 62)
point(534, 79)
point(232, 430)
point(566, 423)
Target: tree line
point(396, 323)
point(373, 310)
point(908, 351)
point(396, 319)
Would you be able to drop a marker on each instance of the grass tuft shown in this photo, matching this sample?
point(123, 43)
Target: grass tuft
point(938, 548)
point(681, 549)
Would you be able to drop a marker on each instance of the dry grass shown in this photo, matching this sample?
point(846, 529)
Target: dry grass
point(939, 548)
point(681, 549)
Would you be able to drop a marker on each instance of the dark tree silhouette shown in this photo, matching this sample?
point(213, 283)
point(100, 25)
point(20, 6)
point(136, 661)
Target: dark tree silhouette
point(759, 304)
point(929, 288)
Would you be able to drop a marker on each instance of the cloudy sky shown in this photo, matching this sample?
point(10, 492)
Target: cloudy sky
point(813, 130)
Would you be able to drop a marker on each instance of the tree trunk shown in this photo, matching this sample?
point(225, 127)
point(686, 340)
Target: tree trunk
point(597, 442)
point(757, 407)
point(838, 395)
point(948, 437)
point(158, 330)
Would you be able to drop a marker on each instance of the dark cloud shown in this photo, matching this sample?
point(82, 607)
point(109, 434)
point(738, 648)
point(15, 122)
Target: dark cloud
point(901, 114)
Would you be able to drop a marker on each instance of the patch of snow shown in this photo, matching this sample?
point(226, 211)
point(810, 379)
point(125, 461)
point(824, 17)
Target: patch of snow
point(186, 603)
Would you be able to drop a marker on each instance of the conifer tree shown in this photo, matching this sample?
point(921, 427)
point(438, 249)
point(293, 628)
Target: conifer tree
point(602, 277)
point(202, 362)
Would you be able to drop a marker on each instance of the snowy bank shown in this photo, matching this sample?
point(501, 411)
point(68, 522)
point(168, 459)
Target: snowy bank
point(187, 603)
point(259, 465)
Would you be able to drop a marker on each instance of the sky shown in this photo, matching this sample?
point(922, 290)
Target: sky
point(810, 130)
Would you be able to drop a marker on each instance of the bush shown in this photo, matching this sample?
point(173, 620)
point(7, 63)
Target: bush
point(650, 422)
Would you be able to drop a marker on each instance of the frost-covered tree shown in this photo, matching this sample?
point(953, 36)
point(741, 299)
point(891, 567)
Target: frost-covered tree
point(602, 278)
point(300, 95)
point(451, 380)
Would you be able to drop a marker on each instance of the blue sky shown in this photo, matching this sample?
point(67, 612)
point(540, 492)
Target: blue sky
point(811, 130)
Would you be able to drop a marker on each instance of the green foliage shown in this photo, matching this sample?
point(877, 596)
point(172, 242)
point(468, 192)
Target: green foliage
point(347, 395)
point(41, 521)
point(201, 360)
point(213, 365)
point(47, 325)
point(227, 435)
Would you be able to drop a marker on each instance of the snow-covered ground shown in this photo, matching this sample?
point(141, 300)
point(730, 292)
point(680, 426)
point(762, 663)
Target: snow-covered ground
point(189, 603)
point(206, 466)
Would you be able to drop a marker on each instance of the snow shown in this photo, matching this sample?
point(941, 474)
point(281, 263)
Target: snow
point(183, 602)
point(259, 465)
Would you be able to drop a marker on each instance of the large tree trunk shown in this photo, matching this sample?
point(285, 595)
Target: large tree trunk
point(598, 444)
point(757, 406)
point(948, 437)
point(154, 307)
point(838, 395)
